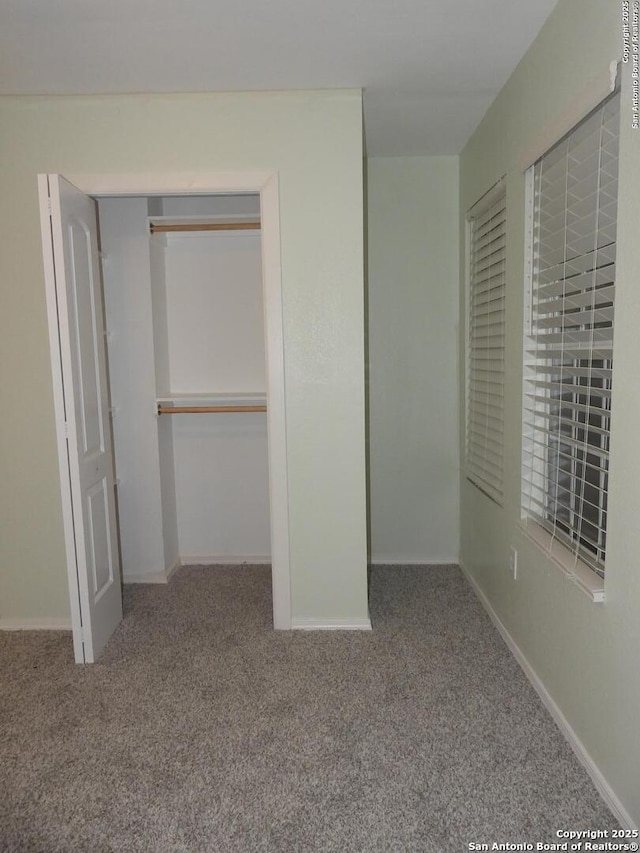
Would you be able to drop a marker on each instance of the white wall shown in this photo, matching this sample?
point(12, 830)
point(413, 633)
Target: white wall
point(215, 312)
point(216, 343)
point(222, 487)
point(585, 654)
point(412, 346)
point(313, 141)
point(185, 313)
point(160, 319)
point(130, 346)
point(156, 248)
point(217, 205)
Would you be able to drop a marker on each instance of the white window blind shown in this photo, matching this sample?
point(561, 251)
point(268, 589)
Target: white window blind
point(569, 345)
point(485, 344)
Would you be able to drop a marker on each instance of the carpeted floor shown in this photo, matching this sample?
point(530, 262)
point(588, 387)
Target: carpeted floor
point(201, 729)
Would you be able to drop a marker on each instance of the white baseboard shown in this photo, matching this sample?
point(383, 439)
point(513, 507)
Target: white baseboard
point(148, 577)
point(225, 560)
point(62, 624)
point(399, 561)
point(197, 560)
point(606, 791)
point(154, 577)
point(306, 623)
point(170, 572)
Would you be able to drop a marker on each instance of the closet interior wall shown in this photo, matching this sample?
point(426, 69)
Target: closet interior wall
point(184, 318)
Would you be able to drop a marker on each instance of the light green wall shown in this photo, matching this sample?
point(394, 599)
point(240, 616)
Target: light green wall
point(585, 654)
point(314, 141)
point(412, 348)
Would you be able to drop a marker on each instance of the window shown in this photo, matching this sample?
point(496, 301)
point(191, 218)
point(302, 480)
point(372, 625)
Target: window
point(568, 355)
point(485, 345)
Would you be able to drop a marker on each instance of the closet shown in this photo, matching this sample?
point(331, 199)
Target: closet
point(183, 301)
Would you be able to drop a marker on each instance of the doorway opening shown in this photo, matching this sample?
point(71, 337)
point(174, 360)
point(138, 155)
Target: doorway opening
point(194, 399)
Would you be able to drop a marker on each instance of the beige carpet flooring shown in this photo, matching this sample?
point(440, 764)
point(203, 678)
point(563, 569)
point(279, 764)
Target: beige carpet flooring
point(202, 729)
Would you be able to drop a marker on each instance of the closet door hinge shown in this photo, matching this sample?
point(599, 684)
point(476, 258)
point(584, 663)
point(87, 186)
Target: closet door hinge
point(49, 207)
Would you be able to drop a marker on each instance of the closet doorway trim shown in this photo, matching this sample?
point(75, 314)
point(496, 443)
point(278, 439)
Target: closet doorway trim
point(266, 184)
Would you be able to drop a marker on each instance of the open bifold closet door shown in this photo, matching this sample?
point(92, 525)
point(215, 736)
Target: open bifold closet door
point(81, 395)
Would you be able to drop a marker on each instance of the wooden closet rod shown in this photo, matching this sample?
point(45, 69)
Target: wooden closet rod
point(196, 410)
point(159, 227)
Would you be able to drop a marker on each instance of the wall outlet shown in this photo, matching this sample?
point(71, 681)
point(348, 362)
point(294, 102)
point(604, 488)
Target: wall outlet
point(513, 562)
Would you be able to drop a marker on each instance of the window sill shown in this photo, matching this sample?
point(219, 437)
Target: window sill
point(591, 584)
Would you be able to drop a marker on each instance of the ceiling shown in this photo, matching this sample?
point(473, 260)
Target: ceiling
point(429, 68)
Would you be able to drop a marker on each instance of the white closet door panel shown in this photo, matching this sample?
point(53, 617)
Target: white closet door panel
point(74, 294)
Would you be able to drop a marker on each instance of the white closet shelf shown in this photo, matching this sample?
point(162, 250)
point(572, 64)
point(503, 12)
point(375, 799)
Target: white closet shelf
point(213, 224)
point(228, 401)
